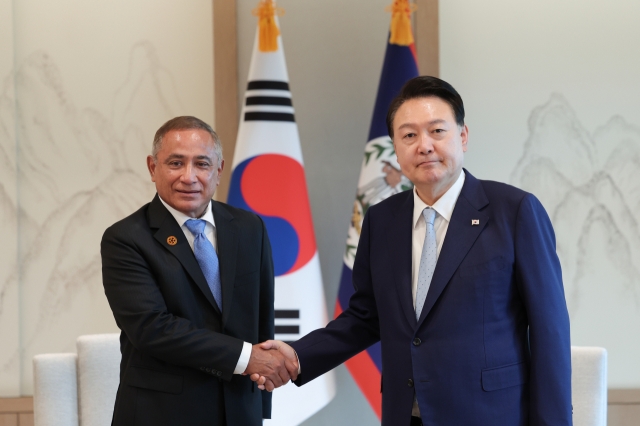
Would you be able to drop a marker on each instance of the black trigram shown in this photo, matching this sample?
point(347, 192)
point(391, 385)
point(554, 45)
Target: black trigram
point(268, 100)
point(287, 331)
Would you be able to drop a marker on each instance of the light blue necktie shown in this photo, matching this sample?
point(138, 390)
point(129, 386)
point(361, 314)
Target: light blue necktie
point(427, 260)
point(207, 258)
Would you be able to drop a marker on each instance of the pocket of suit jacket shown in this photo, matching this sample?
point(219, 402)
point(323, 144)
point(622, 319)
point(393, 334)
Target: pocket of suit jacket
point(505, 376)
point(496, 264)
point(147, 378)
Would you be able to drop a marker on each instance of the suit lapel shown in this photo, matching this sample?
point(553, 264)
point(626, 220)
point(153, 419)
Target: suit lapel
point(226, 235)
point(399, 235)
point(167, 229)
point(461, 234)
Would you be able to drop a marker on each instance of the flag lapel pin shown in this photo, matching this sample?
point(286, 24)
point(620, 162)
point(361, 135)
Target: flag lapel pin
point(475, 221)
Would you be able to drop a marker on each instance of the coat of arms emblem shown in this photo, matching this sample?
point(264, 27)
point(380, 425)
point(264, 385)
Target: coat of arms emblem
point(380, 178)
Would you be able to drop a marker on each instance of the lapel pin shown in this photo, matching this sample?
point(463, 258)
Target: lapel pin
point(475, 221)
point(172, 241)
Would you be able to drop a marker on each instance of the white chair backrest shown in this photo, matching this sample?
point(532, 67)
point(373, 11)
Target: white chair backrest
point(589, 385)
point(98, 377)
point(55, 396)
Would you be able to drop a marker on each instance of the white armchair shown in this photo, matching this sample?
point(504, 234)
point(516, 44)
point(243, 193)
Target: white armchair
point(589, 385)
point(55, 397)
point(78, 390)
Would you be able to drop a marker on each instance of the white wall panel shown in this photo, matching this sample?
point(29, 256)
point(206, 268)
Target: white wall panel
point(9, 291)
point(93, 82)
point(551, 94)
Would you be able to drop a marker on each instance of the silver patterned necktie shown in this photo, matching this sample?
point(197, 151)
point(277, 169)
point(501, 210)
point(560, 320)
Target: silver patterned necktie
point(207, 258)
point(427, 260)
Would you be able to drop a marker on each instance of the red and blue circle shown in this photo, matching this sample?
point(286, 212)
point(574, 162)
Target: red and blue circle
point(274, 187)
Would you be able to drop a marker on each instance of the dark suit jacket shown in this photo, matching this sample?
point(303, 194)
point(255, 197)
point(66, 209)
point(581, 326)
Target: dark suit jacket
point(178, 351)
point(492, 343)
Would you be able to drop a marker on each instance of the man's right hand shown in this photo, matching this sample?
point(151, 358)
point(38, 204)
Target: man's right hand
point(291, 364)
point(273, 368)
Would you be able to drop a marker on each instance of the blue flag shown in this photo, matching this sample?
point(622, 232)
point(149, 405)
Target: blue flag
point(380, 177)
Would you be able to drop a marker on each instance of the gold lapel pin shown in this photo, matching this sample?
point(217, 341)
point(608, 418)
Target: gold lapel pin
point(172, 241)
point(475, 221)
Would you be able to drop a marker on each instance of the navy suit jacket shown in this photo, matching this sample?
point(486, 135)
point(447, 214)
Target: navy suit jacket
point(492, 344)
point(178, 350)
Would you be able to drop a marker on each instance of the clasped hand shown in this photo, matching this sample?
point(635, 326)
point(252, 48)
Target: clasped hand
point(272, 364)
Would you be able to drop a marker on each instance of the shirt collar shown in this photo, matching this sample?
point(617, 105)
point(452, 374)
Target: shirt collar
point(181, 218)
point(445, 204)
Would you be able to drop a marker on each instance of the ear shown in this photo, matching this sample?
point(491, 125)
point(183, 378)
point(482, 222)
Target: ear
point(220, 172)
point(464, 136)
point(151, 165)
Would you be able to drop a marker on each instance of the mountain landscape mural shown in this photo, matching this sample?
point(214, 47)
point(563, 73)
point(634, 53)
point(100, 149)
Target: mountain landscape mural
point(590, 186)
point(75, 171)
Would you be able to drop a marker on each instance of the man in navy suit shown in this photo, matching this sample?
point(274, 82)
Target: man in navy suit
point(480, 337)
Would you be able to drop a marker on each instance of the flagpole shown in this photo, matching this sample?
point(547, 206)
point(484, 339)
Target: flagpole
point(428, 37)
point(225, 85)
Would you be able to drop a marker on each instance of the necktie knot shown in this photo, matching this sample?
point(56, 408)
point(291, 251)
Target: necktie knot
point(196, 226)
point(429, 215)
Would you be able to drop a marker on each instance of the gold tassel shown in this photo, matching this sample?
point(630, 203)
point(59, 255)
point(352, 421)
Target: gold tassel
point(268, 30)
point(401, 33)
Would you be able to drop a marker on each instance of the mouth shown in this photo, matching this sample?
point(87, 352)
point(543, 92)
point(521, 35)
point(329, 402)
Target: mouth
point(428, 163)
point(187, 192)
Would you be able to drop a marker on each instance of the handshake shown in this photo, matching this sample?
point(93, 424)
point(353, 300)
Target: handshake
point(272, 364)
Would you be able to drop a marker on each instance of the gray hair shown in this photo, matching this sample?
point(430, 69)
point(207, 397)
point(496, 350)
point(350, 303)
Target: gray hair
point(185, 122)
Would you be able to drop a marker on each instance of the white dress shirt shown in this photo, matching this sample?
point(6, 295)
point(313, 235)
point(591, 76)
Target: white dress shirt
point(210, 233)
point(444, 209)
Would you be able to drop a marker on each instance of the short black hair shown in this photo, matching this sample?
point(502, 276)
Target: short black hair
point(423, 87)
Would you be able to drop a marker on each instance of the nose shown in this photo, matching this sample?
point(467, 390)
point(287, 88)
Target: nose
point(425, 144)
point(188, 175)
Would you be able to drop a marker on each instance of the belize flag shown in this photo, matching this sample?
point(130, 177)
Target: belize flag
point(268, 179)
point(380, 177)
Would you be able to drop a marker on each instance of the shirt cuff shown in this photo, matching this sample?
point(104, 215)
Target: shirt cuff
point(243, 361)
point(298, 359)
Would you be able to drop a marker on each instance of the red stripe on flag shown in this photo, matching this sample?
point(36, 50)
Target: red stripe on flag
point(366, 374)
point(412, 46)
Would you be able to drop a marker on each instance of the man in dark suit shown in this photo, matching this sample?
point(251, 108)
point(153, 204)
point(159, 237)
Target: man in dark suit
point(459, 280)
point(190, 284)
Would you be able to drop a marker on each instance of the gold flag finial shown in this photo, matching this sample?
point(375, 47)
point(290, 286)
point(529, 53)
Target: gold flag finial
point(268, 30)
point(401, 11)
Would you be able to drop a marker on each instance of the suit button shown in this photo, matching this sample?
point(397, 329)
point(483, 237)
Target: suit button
point(416, 342)
point(219, 373)
point(410, 383)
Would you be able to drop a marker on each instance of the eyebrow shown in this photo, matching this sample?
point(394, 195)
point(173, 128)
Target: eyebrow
point(172, 156)
point(180, 157)
point(204, 157)
point(431, 123)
